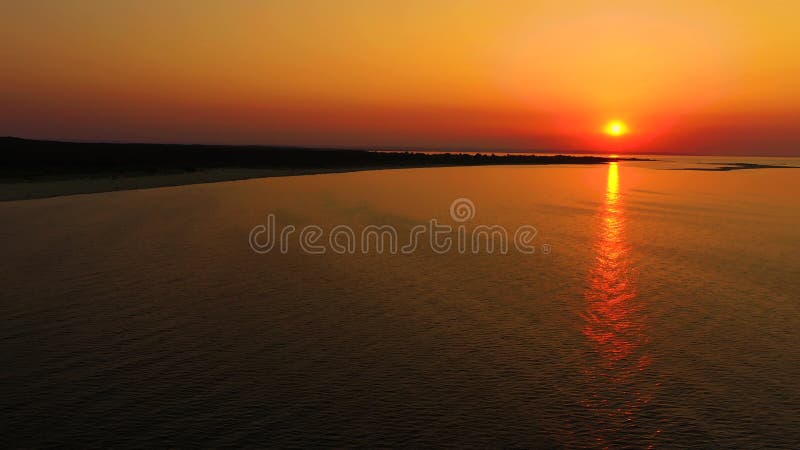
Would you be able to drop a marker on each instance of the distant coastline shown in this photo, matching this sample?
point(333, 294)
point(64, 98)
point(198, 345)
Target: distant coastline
point(38, 169)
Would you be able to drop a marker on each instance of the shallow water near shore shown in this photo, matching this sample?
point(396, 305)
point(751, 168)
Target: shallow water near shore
point(661, 307)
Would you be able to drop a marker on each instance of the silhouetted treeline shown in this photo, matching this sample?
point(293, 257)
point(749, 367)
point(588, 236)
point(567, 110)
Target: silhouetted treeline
point(31, 158)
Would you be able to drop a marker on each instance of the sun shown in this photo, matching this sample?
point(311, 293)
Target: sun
point(616, 128)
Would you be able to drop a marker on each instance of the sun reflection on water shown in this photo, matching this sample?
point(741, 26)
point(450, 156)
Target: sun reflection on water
point(613, 321)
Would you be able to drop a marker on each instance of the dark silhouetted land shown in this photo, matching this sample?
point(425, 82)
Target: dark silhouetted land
point(36, 169)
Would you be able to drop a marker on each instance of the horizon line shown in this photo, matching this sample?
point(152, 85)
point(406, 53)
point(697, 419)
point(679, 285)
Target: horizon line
point(397, 149)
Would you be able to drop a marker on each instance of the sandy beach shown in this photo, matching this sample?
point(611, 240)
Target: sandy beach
point(55, 187)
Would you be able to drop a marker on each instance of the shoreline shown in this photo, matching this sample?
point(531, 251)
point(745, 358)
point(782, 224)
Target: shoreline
point(51, 187)
point(31, 169)
point(20, 190)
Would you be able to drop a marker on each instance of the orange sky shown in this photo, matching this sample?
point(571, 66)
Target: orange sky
point(686, 76)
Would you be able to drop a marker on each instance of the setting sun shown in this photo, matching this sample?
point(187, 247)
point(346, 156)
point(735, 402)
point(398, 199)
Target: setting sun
point(400, 223)
point(616, 128)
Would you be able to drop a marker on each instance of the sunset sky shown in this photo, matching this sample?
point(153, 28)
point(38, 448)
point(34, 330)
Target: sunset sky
point(719, 77)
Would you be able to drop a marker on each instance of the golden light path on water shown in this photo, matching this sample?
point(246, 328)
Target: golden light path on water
point(613, 323)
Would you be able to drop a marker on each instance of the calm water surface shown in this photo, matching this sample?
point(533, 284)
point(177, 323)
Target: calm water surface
point(667, 313)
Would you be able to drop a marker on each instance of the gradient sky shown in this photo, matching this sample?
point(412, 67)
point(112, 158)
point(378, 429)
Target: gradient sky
point(687, 76)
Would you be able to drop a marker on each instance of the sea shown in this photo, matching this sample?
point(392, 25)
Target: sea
point(643, 306)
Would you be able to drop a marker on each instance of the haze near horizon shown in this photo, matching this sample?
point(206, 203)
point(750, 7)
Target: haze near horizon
point(684, 77)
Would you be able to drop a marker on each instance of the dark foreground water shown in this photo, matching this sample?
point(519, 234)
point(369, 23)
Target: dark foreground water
point(666, 313)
